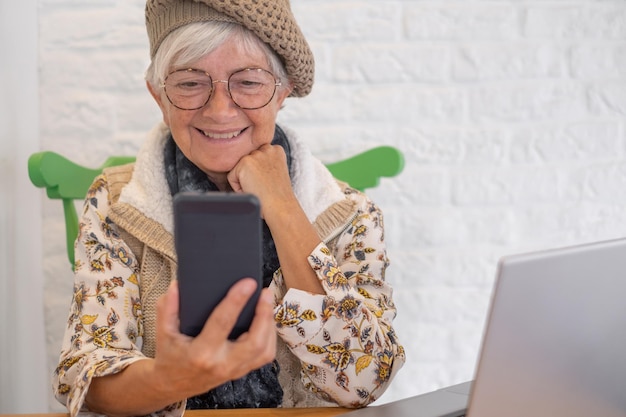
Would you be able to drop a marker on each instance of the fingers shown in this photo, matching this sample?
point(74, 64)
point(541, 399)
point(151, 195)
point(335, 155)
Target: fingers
point(262, 333)
point(260, 171)
point(210, 359)
point(223, 318)
point(167, 309)
point(264, 313)
point(252, 349)
point(256, 347)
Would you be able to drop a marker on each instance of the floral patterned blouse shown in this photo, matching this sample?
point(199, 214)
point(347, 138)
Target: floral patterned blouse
point(344, 339)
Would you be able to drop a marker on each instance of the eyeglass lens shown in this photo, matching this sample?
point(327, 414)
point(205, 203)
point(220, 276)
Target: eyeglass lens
point(191, 89)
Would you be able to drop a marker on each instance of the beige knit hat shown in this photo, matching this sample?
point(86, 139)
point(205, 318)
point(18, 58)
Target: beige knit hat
point(271, 20)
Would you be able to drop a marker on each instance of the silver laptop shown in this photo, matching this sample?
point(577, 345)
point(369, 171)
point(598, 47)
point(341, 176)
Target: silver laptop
point(554, 345)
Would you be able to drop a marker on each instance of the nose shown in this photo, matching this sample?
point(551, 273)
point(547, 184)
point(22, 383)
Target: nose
point(220, 100)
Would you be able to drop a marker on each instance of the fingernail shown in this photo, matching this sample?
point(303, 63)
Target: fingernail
point(248, 287)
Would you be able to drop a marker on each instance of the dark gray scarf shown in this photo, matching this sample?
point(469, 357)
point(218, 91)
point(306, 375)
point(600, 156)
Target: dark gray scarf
point(260, 388)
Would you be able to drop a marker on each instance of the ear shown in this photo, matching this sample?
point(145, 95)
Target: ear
point(158, 97)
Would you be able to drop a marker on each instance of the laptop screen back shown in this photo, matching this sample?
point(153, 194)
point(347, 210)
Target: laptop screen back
point(555, 342)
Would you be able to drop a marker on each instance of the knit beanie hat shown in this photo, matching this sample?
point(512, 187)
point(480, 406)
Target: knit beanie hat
point(271, 20)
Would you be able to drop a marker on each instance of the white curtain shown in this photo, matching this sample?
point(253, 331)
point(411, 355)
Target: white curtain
point(24, 379)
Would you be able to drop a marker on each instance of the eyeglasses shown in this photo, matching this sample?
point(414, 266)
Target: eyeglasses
point(191, 89)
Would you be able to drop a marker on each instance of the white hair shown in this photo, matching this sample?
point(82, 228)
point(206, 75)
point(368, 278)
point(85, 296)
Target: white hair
point(192, 42)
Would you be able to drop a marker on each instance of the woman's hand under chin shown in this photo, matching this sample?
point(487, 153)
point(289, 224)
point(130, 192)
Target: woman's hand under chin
point(264, 173)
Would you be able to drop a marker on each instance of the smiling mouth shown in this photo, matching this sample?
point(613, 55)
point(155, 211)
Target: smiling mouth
point(228, 135)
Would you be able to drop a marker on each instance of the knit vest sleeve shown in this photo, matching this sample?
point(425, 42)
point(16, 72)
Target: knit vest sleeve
point(116, 178)
point(152, 247)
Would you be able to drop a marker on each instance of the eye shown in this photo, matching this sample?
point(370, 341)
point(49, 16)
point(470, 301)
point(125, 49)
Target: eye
point(191, 84)
point(246, 83)
point(187, 84)
point(188, 81)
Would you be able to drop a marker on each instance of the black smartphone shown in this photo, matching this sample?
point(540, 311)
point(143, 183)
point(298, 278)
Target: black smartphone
point(218, 240)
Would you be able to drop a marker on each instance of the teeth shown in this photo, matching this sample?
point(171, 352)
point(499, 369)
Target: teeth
point(221, 135)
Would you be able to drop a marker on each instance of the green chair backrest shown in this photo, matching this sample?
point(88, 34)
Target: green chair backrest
point(68, 181)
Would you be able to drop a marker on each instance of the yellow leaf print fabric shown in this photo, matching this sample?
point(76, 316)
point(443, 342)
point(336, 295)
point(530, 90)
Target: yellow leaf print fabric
point(344, 339)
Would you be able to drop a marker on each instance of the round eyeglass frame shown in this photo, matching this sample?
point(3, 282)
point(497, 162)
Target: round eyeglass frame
point(227, 82)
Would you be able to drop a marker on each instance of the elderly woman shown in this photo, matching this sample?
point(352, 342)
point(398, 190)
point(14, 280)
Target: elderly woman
point(220, 72)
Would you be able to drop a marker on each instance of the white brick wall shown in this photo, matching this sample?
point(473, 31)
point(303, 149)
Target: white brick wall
point(511, 115)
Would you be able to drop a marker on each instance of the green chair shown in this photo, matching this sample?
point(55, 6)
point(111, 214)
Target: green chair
point(67, 181)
